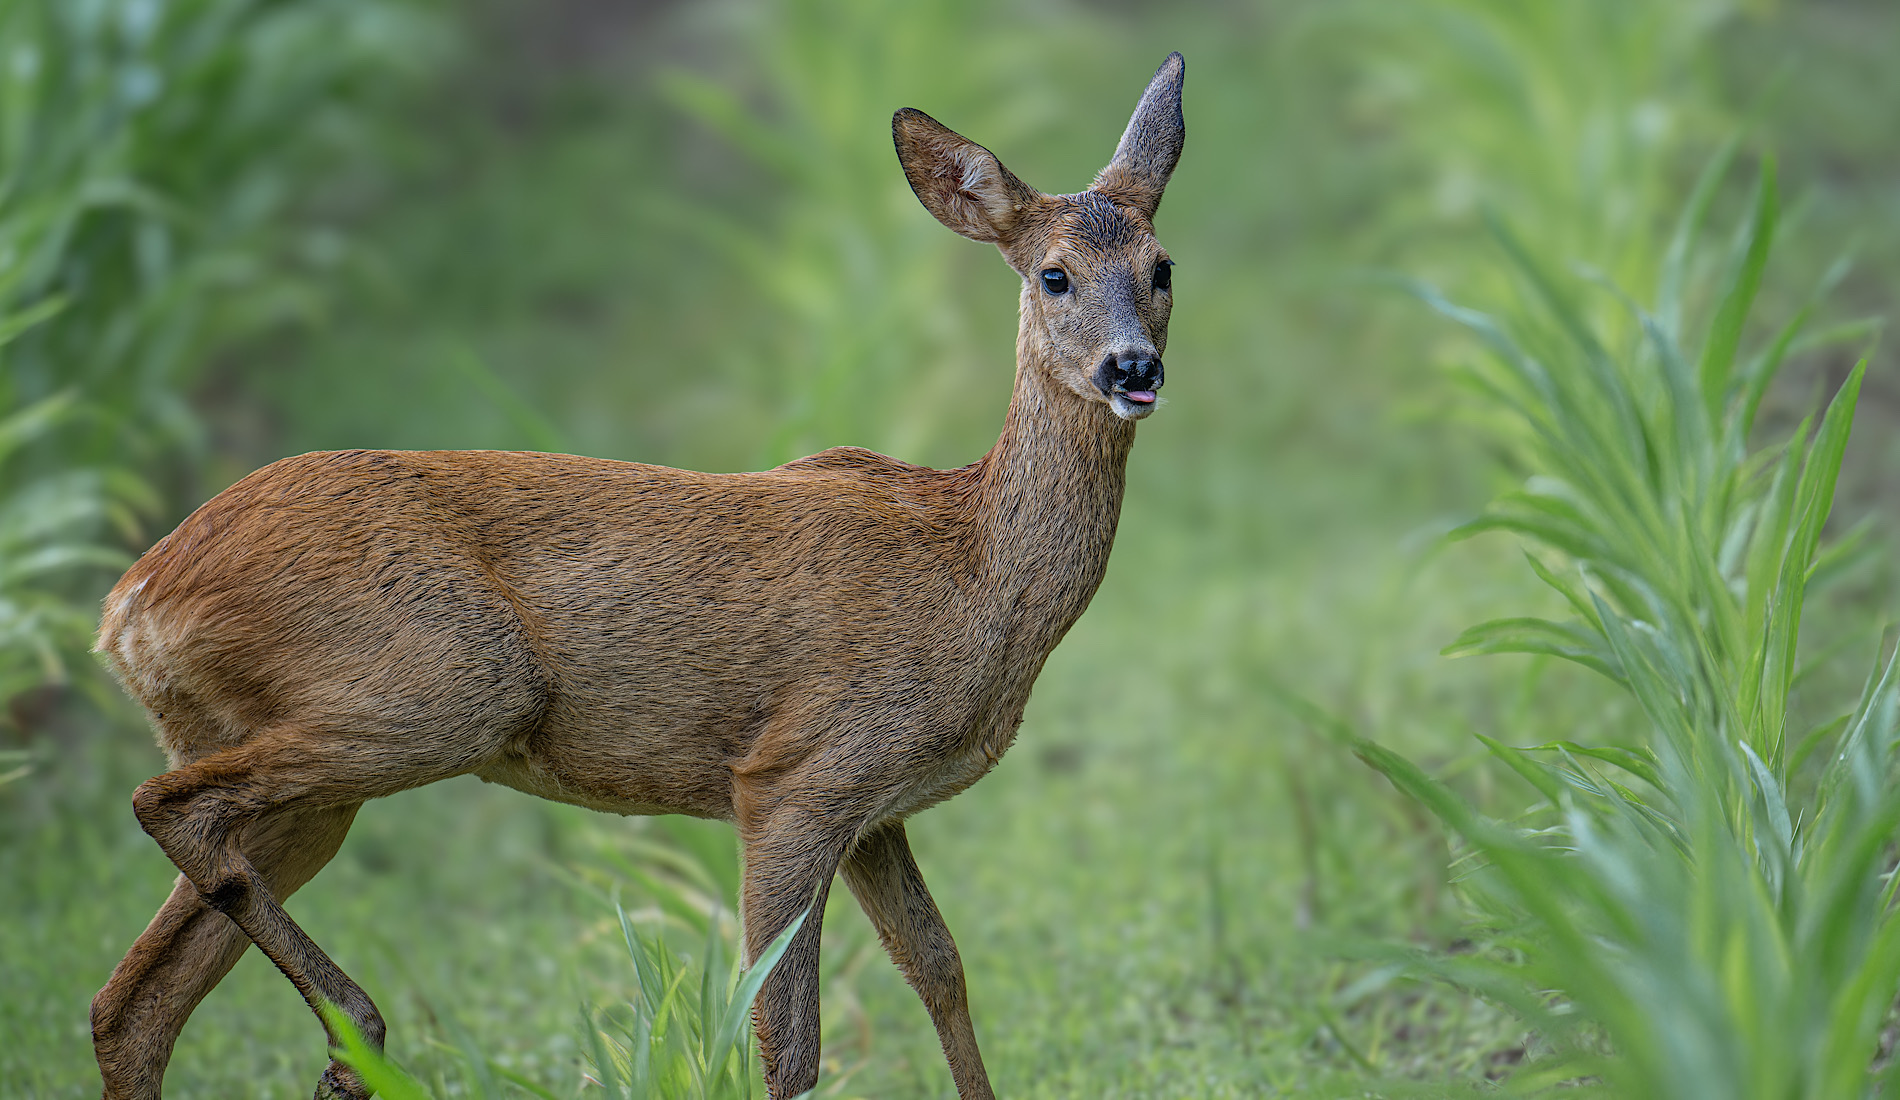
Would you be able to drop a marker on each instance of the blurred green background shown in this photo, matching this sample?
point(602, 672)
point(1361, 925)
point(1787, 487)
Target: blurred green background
point(234, 230)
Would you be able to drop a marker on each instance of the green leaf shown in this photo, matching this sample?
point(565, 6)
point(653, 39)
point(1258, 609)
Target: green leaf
point(1812, 501)
point(1535, 773)
point(712, 991)
point(1766, 364)
point(1639, 763)
point(740, 1005)
point(600, 1052)
point(1536, 636)
point(1860, 543)
point(381, 1074)
point(13, 324)
point(1725, 330)
point(1573, 591)
point(1675, 264)
point(1769, 788)
point(670, 898)
point(652, 986)
point(33, 421)
point(522, 1081)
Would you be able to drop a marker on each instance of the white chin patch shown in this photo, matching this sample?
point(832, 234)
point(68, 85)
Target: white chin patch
point(1132, 410)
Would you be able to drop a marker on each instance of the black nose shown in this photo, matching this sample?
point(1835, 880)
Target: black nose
point(1129, 373)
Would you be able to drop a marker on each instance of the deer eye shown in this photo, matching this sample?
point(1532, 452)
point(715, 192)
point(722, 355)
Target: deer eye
point(1164, 275)
point(1055, 281)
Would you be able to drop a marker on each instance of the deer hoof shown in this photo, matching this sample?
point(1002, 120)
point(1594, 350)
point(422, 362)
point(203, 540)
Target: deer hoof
point(339, 1082)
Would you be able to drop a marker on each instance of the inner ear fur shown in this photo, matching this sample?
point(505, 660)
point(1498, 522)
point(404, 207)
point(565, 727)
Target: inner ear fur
point(959, 181)
point(1151, 146)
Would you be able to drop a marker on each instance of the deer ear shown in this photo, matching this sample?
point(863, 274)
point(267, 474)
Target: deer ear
point(957, 180)
point(1151, 145)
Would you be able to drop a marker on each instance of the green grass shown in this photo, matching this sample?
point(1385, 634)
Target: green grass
point(684, 239)
point(686, 1033)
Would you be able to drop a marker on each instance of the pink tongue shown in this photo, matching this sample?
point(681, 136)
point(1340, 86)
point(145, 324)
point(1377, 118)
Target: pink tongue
point(1140, 396)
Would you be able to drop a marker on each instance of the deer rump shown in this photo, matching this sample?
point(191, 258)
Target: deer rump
point(627, 637)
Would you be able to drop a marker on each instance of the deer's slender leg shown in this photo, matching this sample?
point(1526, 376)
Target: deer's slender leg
point(890, 888)
point(200, 814)
point(788, 865)
point(189, 947)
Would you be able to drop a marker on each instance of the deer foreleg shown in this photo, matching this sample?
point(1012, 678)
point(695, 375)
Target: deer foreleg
point(788, 866)
point(887, 883)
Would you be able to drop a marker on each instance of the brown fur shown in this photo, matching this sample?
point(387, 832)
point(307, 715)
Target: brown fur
point(813, 652)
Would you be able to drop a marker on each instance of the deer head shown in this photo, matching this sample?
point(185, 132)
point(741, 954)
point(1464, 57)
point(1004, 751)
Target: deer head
point(1096, 285)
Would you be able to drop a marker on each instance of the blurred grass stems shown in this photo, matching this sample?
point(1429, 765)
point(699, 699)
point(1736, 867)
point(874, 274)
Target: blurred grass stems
point(1723, 916)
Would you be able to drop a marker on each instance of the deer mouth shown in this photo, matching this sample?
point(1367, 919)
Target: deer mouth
point(1130, 383)
point(1133, 404)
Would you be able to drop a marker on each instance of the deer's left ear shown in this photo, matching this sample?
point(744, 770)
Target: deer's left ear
point(959, 181)
point(1151, 145)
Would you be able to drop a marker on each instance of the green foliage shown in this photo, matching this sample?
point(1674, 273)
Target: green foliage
point(672, 1042)
point(1570, 118)
point(49, 526)
point(148, 155)
point(686, 1035)
point(1721, 912)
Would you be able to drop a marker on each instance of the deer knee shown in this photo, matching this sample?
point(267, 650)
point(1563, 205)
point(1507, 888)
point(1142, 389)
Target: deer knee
point(108, 1010)
point(163, 803)
point(157, 802)
point(194, 825)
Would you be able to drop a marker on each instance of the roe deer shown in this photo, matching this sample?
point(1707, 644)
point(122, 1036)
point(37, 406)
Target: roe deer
point(813, 653)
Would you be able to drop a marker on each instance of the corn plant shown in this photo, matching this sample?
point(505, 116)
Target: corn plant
point(49, 531)
point(1705, 910)
point(51, 523)
point(148, 154)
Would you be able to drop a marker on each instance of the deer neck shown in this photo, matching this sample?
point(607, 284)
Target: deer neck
point(1047, 501)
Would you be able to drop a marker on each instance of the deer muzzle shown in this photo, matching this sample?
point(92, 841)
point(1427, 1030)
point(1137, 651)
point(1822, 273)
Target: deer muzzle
point(1129, 381)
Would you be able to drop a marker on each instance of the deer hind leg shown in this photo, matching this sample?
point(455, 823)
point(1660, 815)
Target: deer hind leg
point(890, 888)
point(201, 814)
point(189, 947)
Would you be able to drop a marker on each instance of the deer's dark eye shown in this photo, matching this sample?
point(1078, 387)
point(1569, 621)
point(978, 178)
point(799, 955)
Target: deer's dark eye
point(1055, 281)
point(1164, 275)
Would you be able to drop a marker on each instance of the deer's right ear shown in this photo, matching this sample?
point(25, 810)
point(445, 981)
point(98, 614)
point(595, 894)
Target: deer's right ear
point(957, 180)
